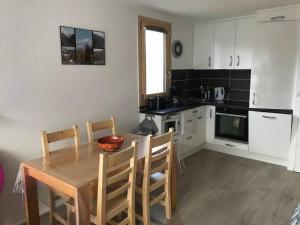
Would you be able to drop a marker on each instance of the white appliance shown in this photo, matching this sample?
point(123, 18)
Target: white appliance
point(219, 93)
point(171, 121)
point(164, 122)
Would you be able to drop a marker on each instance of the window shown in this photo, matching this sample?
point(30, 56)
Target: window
point(154, 58)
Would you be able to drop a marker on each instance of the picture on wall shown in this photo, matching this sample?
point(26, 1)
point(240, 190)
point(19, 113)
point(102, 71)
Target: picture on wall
point(82, 46)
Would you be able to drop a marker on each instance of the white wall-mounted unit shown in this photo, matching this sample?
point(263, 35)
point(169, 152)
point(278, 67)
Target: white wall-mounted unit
point(288, 13)
point(274, 65)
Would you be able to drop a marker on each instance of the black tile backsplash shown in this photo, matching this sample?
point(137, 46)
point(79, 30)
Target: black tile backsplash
point(236, 82)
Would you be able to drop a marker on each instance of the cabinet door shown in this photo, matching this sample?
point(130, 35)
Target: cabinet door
point(224, 40)
point(200, 135)
point(244, 43)
point(203, 46)
point(210, 124)
point(270, 133)
point(189, 143)
point(274, 65)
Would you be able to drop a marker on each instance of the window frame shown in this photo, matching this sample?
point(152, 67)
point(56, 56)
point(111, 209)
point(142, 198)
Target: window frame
point(143, 23)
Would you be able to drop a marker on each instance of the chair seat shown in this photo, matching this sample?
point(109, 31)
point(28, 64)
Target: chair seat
point(113, 207)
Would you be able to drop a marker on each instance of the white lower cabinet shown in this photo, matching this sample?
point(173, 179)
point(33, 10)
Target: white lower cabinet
point(210, 113)
point(270, 133)
point(200, 123)
point(179, 143)
point(193, 128)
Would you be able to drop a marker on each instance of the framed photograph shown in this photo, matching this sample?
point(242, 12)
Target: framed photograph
point(67, 36)
point(68, 55)
point(99, 56)
point(82, 46)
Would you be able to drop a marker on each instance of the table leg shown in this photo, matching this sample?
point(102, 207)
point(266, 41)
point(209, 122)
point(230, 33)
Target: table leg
point(31, 199)
point(174, 181)
point(82, 206)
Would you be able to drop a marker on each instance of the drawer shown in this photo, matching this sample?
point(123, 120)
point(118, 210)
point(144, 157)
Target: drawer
point(189, 142)
point(232, 144)
point(190, 113)
point(189, 126)
point(179, 143)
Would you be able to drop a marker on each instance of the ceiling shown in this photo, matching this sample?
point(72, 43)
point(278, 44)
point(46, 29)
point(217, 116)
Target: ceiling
point(201, 10)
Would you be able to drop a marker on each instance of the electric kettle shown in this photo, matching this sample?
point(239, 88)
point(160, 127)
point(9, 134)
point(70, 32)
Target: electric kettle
point(219, 93)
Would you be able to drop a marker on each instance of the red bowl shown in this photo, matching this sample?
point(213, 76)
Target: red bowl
point(110, 143)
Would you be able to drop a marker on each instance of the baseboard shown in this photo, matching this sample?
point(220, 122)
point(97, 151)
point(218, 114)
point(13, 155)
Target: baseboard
point(246, 154)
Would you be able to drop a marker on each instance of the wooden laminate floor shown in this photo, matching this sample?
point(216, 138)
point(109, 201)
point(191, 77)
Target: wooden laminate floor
point(220, 189)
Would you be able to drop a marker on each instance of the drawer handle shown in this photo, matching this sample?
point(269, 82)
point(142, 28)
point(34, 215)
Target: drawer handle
point(195, 111)
point(230, 145)
point(277, 18)
point(200, 117)
point(269, 117)
point(175, 141)
point(189, 121)
point(188, 138)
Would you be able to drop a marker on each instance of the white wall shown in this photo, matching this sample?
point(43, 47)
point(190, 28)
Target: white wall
point(37, 92)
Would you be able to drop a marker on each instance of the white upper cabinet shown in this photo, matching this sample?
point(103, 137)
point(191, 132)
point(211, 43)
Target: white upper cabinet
point(203, 46)
point(224, 40)
point(245, 27)
point(274, 65)
point(224, 45)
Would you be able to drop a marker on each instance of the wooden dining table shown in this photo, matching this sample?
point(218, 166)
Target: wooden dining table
point(70, 171)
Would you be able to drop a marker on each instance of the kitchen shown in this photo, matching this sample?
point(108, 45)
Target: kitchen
point(228, 85)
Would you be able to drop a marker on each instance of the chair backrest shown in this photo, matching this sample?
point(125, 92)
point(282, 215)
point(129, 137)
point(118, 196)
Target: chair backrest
point(118, 169)
point(48, 138)
point(102, 125)
point(158, 157)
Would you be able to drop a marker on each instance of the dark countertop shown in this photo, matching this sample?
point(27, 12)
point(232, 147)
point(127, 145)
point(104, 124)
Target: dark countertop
point(225, 104)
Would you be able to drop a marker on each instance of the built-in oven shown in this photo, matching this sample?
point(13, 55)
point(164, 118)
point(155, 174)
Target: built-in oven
point(172, 121)
point(231, 124)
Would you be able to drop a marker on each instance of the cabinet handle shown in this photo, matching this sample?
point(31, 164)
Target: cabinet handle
point(253, 100)
point(175, 141)
point(269, 117)
point(195, 111)
point(189, 121)
point(238, 60)
point(188, 138)
point(230, 145)
point(209, 61)
point(210, 113)
point(277, 18)
point(199, 118)
point(231, 60)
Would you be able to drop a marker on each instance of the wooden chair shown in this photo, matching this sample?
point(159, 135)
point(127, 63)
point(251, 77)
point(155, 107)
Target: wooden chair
point(48, 138)
point(102, 125)
point(116, 187)
point(156, 176)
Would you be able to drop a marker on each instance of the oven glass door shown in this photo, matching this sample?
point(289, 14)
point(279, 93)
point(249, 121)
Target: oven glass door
point(230, 126)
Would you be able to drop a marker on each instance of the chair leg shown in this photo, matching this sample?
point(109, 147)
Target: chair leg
point(168, 206)
point(146, 210)
point(52, 207)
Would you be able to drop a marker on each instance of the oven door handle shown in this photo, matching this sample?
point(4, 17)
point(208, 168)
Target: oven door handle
point(232, 115)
